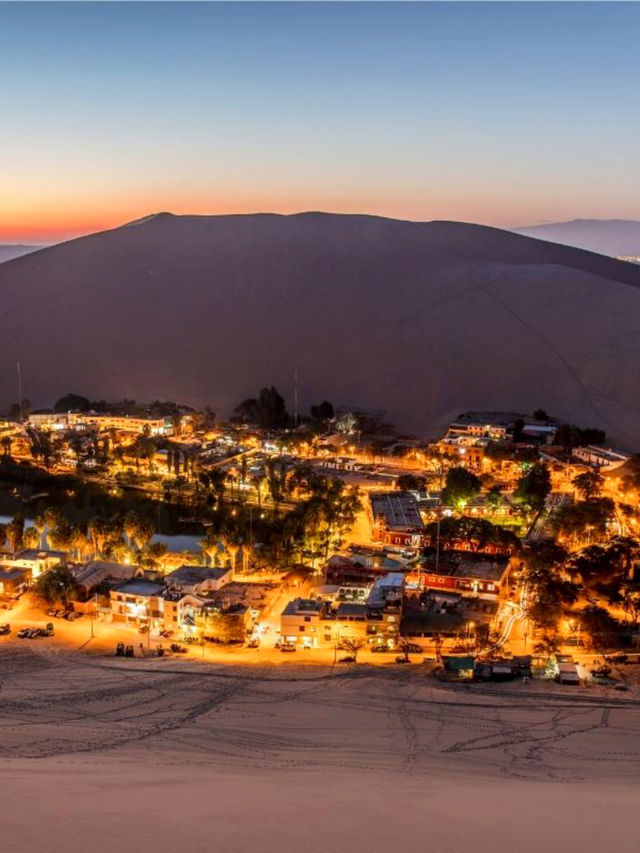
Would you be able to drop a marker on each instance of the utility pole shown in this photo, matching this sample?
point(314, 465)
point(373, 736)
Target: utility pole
point(19, 391)
point(295, 398)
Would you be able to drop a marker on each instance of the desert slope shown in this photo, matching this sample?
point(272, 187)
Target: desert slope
point(420, 319)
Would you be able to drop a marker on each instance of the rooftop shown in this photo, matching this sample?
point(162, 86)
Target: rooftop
point(96, 571)
point(302, 605)
point(481, 570)
point(139, 586)
point(196, 574)
point(397, 509)
point(349, 609)
point(11, 574)
point(38, 554)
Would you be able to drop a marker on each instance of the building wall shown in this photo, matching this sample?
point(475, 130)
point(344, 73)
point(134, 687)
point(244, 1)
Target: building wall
point(301, 628)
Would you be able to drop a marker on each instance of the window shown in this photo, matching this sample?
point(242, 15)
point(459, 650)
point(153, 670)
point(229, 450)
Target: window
point(307, 618)
point(301, 628)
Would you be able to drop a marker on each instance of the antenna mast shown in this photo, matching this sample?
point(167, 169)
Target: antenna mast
point(19, 391)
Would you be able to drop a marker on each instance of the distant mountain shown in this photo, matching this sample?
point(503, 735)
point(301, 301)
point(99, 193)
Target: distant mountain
point(8, 252)
point(614, 237)
point(423, 320)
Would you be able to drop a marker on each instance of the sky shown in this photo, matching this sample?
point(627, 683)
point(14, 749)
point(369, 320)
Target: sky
point(506, 114)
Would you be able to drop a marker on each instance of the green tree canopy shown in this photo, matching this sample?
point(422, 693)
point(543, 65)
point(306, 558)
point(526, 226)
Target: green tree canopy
point(461, 486)
point(534, 486)
point(588, 485)
point(56, 586)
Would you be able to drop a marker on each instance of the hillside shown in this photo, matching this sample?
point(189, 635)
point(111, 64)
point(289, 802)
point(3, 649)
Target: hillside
point(423, 320)
point(613, 237)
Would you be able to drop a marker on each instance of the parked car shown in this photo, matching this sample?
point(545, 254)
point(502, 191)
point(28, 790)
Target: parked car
point(401, 659)
point(5, 629)
point(347, 659)
point(287, 647)
point(23, 632)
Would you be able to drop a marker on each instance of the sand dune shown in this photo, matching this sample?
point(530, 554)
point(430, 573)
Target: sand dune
point(423, 320)
point(126, 756)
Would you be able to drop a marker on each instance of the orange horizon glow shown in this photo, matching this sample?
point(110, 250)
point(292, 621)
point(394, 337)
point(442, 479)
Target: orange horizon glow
point(45, 227)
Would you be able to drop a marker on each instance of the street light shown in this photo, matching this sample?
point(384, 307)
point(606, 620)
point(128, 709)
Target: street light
point(95, 607)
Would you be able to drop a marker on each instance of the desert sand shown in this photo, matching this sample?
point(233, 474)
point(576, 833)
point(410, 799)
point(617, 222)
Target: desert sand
point(141, 755)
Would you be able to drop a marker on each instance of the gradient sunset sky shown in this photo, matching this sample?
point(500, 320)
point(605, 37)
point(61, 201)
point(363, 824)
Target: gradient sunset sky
point(506, 114)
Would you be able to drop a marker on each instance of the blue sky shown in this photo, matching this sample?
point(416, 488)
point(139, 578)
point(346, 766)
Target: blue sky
point(500, 113)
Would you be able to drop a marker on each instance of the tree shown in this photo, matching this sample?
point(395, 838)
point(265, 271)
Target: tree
point(14, 532)
point(461, 486)
point(540, 415)
point(157, 551)
point(585, 519)
point(31, 538)
point(56, 586)
point(588, 485)
point(322, 412)
point(267, 411)
point(495, 498)
point(20, 411)
point(139, 530)
point(411, 483)
point(352, 645)
point(534, 486)
point(631, 604)
point(518, 427)
point(405, 645)
point(570, 436)
point(547, 592)
point(603, 628)
point(72, 403)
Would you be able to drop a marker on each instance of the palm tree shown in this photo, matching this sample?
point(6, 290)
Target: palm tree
point(131, 523)
point(30, 538)
point(144, 533)
point(40, 523)
point(210, 545)
point(15, 531)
